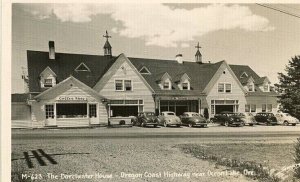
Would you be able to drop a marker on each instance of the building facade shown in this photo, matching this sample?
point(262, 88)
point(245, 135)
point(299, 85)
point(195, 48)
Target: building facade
point(75, 90)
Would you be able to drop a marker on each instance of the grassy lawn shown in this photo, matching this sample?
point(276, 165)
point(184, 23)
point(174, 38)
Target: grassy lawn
point(272, 156)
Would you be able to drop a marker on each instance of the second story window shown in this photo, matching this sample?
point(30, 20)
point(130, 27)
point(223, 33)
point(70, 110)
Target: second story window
point(185, 86)
point(119, 85)
point(224, 88)
point(123, 85)
point(266, 87)
point(48, 82)
point(251, 88)
point(166, 85)
point(128, 86)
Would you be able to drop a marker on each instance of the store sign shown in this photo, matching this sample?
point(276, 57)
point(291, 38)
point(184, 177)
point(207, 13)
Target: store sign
point(67, 98)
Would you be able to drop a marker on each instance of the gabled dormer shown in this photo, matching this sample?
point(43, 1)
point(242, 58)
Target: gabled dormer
point(264, 84)
point(250, 87)
point(82, 67)
point(165, 82)
point(183, 81)
point(144, 70)
point(47, 78)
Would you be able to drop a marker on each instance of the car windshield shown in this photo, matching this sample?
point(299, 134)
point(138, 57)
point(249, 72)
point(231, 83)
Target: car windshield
point(149, 114)
point(170, 113)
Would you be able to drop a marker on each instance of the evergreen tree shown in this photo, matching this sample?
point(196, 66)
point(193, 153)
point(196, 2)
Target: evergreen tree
point(289, 88)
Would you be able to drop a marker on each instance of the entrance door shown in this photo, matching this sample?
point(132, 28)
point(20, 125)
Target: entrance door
point(50, 117)
point(221, 108)
point(181, 109)
point(93, 114)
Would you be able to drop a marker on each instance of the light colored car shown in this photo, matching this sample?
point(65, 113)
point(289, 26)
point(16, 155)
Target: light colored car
point(168, 118)
point(193, 119)
point(286, 119)
point(248, 118)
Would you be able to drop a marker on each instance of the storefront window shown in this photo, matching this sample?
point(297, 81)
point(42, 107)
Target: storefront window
point(68, 110)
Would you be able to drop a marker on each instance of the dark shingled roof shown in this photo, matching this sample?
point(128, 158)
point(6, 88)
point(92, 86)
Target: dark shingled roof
point(19, 97)
point(200, 74)
point(64, 65)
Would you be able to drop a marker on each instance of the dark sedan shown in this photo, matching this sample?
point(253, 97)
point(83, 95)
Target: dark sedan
point(192, 119)
point(145, 119)
point(228, 119)
point(266, 118)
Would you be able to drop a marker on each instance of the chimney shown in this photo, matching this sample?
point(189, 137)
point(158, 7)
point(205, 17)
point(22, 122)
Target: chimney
point(179, 58)
point(51, 50)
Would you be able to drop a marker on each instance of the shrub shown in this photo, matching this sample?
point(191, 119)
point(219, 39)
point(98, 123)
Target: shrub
point(297, 158)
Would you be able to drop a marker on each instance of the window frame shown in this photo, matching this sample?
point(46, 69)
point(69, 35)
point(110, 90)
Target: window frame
point(224, 90)
point(187, 86)
point(169, 85)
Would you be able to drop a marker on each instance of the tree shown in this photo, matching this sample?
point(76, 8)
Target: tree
point(289, 88)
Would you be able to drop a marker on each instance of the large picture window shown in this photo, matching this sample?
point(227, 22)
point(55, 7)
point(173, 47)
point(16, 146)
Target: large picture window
point(68, 110)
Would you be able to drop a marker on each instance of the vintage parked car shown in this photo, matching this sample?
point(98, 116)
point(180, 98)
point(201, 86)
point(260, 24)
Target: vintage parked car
point(168, 118)
point(144, 119)
point(248, 118)
point(267, 118)
point(286, 119)
point(228, 119)
point(193, 119)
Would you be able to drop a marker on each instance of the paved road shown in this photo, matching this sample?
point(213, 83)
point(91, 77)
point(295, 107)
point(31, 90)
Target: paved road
point(170, 132)
point(133, 154)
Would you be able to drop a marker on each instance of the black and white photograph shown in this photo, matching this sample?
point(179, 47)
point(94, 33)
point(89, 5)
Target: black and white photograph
point(155, 91)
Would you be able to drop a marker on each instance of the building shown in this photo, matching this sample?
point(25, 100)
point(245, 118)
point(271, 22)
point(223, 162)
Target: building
point(67, 90)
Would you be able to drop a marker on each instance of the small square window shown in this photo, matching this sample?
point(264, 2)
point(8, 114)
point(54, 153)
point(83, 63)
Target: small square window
point(263, 108)
point(48, 82)
point(128, 86)
point(185, 86)
point(221, 87)
point(228, 87)
point(251, 88)
point(247, 108)
point(119, 84)
point(166, 85)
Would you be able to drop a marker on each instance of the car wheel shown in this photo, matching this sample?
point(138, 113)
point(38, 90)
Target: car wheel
point(155, 125)
point(294, 124)
point(178, 125)
point(190, 125)
point(226, 123)
point(144, 124)
point(251, 124)
point(242, 124)
point(285, 123)
point(165, 124)
point(122, 122)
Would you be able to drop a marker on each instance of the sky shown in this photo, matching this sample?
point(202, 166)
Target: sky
point(243, 34)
